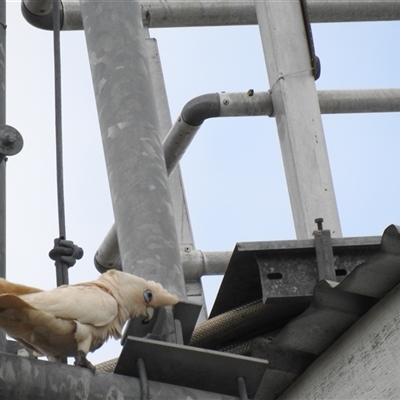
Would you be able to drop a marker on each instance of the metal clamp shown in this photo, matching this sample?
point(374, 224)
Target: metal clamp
point(11, 141)
point(324, 252)
point(64, 253)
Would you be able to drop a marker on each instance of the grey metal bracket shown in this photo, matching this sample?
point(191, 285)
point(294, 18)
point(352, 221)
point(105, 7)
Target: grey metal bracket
point(191, 367)
point(285, 270)
point(324, 252)
point(182, 318)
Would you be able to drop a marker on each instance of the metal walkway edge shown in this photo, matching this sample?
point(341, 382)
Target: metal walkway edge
point(333, 310)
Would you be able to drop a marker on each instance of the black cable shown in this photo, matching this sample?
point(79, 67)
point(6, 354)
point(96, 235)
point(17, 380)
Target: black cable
point(58, 118)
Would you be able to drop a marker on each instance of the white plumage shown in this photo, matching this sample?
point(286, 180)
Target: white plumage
point(72, 320)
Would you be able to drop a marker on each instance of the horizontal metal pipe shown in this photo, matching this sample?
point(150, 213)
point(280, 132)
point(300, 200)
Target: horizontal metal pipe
point(197, 110)
point(197, 263)
point(162, 13)
point(212, 105)
point(359, 101)
point(25, 378)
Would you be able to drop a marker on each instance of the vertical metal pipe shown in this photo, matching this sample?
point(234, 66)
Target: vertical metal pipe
point(3, 341)
point(2, 122)
point(133, 151)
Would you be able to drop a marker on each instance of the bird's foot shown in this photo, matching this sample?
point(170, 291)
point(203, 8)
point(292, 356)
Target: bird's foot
point(82, 361)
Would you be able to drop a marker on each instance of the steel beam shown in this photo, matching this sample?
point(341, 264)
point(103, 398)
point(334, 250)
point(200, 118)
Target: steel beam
point(163, 14)
point(134, 156)
point(298, 117)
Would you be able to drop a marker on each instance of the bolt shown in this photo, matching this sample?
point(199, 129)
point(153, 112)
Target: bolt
point(226, 102)
point(319, 222)
point(8, 137)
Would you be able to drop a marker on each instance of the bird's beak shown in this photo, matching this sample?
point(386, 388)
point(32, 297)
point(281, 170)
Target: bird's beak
point(149, 315)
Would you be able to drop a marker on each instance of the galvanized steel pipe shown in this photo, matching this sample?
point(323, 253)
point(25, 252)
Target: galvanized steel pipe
point(359, 101)
point(3, 341)
point(26, 378)
point(145, 225)
point(161, 13)
point(197, 110)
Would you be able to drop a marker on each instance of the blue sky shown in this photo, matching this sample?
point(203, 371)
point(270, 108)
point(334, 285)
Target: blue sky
point(233, 172)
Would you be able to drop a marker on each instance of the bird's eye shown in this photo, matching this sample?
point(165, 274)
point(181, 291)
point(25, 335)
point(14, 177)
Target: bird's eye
point(148, 296)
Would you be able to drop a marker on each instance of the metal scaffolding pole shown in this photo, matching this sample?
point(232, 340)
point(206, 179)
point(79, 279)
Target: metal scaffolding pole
point(162, 13)
point(2, 161)
point(134, 155)
point(2, 122)
point(298, 116)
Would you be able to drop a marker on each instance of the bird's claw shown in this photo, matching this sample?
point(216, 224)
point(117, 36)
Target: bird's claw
point(82, 361)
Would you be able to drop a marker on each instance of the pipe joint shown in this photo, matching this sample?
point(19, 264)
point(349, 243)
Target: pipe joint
point(40, 14)
point(200, 108)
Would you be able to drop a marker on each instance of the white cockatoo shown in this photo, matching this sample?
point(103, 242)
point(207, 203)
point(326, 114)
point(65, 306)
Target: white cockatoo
point(71, 320)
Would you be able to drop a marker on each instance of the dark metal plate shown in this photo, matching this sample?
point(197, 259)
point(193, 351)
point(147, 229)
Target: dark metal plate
point(191, 367)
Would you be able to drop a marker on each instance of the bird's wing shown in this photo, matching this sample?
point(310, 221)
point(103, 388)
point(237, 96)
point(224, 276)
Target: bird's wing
point(15, 288)
point(18, 314)
point(85, 303)
point(34, 328)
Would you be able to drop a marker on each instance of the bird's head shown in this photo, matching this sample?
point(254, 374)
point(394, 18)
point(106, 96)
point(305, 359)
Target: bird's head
point(155, 296)
point(140, 297)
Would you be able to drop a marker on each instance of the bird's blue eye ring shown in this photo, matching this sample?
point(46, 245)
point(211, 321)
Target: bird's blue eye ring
point(148, 296)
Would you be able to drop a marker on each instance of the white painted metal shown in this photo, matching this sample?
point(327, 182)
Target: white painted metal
point(362, 364)
point(298, 117)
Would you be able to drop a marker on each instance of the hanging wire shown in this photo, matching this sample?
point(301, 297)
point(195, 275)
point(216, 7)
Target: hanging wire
point(58, 118)
point(65, 252)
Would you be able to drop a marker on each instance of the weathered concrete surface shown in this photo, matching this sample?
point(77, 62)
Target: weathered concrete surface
point(364, 363)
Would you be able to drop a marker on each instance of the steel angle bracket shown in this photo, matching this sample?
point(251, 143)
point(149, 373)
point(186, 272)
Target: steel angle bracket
point(191, 367)
point(186, 313)
point(285, 270)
